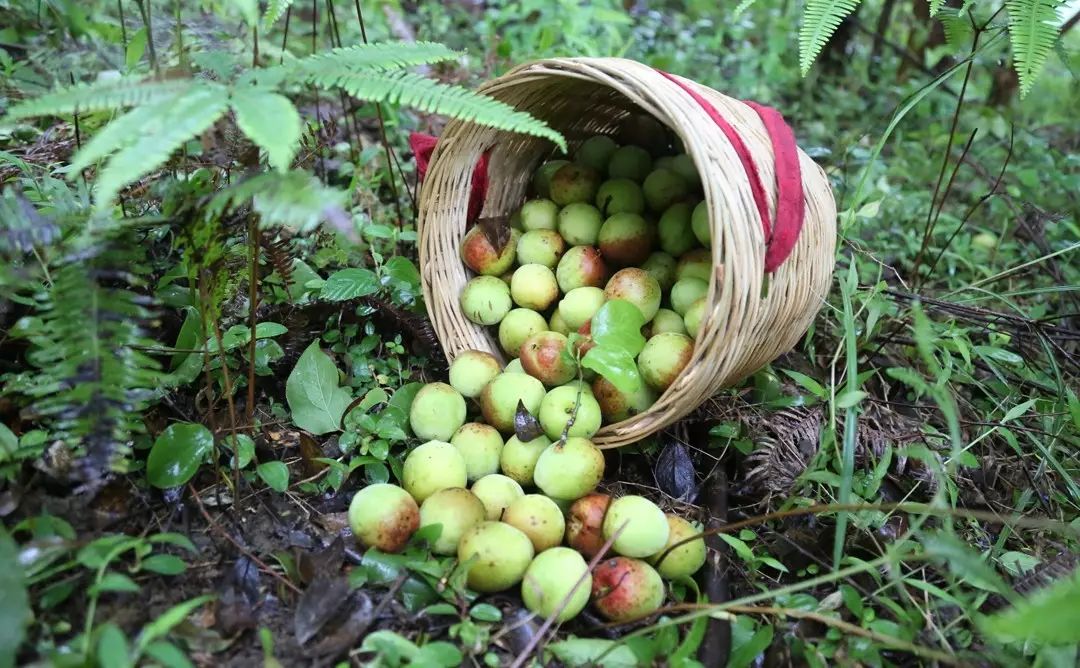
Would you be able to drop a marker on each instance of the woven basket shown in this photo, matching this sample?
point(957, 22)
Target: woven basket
point(747, 323)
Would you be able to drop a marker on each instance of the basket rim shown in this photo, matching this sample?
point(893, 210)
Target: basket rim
point(647, 90)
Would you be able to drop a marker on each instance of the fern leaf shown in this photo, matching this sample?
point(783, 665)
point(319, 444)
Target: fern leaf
point(433, 97)
point(742, 7)
point(98, 96)
point(957, 26)
point(1033, 28)
point(935, 7)
point(275, 9)
point(820, 20)
point(92, 382)
point(118, 133)
point(271, 121)
point(294, 199)
point(381, 57)
point(192, 113)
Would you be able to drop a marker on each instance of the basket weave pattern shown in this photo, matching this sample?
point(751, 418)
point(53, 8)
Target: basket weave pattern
point(741, 330)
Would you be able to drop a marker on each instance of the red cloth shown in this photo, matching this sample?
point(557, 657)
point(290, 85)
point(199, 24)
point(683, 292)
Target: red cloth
point(423, 145)
point(781, 234)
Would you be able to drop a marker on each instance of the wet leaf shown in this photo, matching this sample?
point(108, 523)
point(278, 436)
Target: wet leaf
point(239, 596)
point(318, 604)
point(177, 454)
point(526, 426)
point(275, 474)
point(164, 564)
point(312, 390)
point(112, 646)
point(15, 610)
point(114, 582)
point(309, 565)
point(964, 561)
point(588, 651)
point(675, 474)
point(168, 655)
point(349, 631)
point(349, 284)
point(485, 612)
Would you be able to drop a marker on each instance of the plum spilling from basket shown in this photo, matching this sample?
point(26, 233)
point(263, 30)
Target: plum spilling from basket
point(515, 498)
point(615, 224)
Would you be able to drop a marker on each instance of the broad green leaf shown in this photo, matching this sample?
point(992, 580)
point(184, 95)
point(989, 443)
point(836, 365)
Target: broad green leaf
point(740, 547)
point(312, 391)
point(112, 646)
point(964, 561)
point(1050, 616)
point(618, 325)
point(349, 284)
point(850, 398)
point(164, 564)
point(440, 654)
point(275, 474)
point(744, 654)
point(135, 49)
point(169, 619)
point(168, 655)
point(176, 539)
point(9, 442)
point(807, 382)
point(115, 582)
point(271, 121)
point(177, 454)
point(485, 612)
point(582, 652)
point(243, 449)
point(15, 607)
point(616, 365)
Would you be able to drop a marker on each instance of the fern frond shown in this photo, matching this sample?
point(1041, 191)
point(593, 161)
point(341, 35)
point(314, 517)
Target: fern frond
point(820, 20)
point(957, 26)
point(1033, 29)
point(433, 97)
point(294, 199)
point(92, 382)
point(98, 96)
point(384, 56)
point(190, 115)
point(935, 7)
point(275, 9)
point(742, 7)
point(119, 132)
point(271, 121)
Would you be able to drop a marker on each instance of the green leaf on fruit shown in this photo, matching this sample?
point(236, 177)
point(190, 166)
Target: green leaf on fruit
point(616, 365)
point(617, 325)
point(177, 454)
point(316, 400)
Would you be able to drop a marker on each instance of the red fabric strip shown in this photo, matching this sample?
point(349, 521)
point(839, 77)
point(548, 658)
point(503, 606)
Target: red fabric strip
point(781, 234)
point(423, 145)
point(790, 205)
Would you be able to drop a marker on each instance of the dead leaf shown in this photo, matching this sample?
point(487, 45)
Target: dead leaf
point(319, 604)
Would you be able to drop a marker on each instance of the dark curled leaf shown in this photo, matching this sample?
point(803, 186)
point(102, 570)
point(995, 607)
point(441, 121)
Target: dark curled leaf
point(497, 231)
point(311, 564)
point(348, 632)
point(239, 598)
point(319, 604)
point(675, 472)
point(526, 426)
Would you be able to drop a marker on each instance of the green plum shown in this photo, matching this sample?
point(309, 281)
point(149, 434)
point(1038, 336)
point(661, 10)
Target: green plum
point(486, 300)
point(457, 510)
point(518, 460)
point(499, 400)
point(642, 527)
point(437, 411)
point(569, 469)
point(480, 446)
point(518, 325)
point(496, 492)
point(558, 407)
point(433, 466)
point(579, 224)
point(663, 358)
point(557, 583)
point(471, 370)
point(497, 555)
point(384, 516)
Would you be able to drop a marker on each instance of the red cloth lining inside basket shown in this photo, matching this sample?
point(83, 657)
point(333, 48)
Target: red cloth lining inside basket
point(780, 235)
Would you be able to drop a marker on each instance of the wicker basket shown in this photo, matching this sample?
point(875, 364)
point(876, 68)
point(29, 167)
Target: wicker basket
point(747, 323)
